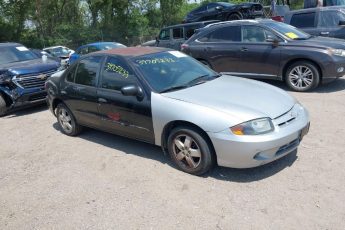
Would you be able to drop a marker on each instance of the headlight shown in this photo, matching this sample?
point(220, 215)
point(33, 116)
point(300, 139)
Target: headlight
point(254, 127)
point(338, 52)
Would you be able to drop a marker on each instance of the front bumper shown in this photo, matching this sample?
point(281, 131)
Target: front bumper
point(331, 70)
point(252, 151)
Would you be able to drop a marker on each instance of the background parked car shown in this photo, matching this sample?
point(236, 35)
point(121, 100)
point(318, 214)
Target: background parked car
point(39, 53)
point(225, 11)
point(22, 76)
point(61, 52)
point(210, 118)
point(173, 36)
point(321, 21)
point(266, 49)
point(93, 47)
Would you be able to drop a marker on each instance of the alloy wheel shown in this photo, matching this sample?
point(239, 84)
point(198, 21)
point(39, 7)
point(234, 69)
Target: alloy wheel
point(187, 151)
point(301, 77)
point(65, 120)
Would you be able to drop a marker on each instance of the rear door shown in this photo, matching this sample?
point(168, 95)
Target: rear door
point(306, 22)
point(177, 38)
point(329, 24)
point(123, 115)
point(221, 48)
point(259, 58)
point(82, 90)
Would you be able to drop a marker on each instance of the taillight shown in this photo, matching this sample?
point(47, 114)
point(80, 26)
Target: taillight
point(184, 46)
point(278, 18)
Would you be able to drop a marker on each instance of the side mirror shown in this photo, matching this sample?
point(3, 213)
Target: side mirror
point(341, 23)
point(219, 8)
point(274, 41)
point(133, 90)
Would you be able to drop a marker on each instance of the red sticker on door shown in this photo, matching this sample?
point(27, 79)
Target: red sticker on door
point(114, 116)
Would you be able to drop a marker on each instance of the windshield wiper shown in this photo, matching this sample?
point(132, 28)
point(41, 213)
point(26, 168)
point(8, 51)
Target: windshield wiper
point(202, 79)
point(174, 88)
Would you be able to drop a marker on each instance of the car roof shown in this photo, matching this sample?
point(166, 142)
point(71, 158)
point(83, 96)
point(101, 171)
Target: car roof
point(240, 22)
point(326, 8)
point(97, 43)
point(133, 51)
point(191, 24)
point(10, 44)
point(53, 47)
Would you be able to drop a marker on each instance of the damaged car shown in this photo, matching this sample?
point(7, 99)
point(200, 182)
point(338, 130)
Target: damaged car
point(22, 77)
point(164, 97)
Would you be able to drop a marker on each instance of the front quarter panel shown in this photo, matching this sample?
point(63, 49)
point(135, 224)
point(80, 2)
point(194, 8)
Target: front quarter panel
point(166, 110)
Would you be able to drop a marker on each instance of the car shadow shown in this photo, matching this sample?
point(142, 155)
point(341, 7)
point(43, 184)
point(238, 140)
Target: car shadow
point(335, 86)
point(141, 149)
point(25, 111)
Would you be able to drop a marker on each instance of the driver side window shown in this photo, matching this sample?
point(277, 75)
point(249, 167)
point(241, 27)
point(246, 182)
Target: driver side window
point(116, 74)
point(254, 34)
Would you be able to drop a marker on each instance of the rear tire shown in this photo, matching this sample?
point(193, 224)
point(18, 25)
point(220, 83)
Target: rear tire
point(302, 76)
point(3, 107)
point(67, 122)
point(234, 16)
point(190, 151)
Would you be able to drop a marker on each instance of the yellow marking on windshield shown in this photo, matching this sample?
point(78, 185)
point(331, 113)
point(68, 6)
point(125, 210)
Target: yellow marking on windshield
point(117, 69)
point(291, 35)
point(155, 61)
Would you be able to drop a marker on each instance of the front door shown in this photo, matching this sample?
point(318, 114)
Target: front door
point(81, 88)
point(123, 115)
point(259, 58)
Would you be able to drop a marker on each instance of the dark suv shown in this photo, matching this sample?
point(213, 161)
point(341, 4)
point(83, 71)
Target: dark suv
point(266, 49)
point(321, 21)
point(225, 11)
point(173, 36)
point(22, 76)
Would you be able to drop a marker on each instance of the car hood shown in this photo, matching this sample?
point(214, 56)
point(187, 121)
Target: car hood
point(323, 42)
point(242, 98)
point(30, 66)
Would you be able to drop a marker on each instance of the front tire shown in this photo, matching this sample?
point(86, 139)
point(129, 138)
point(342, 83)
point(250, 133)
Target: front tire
point(302, 76)
point(190, 151)
point(67, 122)
point(3, 107)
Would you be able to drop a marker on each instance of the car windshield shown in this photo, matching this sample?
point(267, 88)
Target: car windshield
point(172, 70)
point(59, 51)
point(288, 31)
point(15, 54)
point(225, 4)
point(109, 46)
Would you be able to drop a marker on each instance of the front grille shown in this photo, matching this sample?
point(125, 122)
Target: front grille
point(286, 122)
point(38, 96)
point(33, 80)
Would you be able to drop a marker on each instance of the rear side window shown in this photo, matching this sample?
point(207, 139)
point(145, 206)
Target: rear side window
point(304, 20)
point(330, 18)
point(177, 33)
point(164, 35)
point(189, 31)
point(83, 51)
point(116, 74)
point(87, 71)
point(93, 49)
point(224, 34)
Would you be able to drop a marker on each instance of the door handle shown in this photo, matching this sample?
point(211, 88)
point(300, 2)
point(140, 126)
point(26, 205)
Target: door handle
point(102, 100)
point(324, 33)
point(244, 49)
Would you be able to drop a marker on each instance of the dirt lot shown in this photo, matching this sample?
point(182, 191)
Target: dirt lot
point(101, 181)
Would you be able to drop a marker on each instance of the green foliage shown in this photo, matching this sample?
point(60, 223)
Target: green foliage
point(42, 23)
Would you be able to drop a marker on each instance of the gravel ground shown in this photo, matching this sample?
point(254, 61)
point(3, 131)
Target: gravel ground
point(102, 181)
